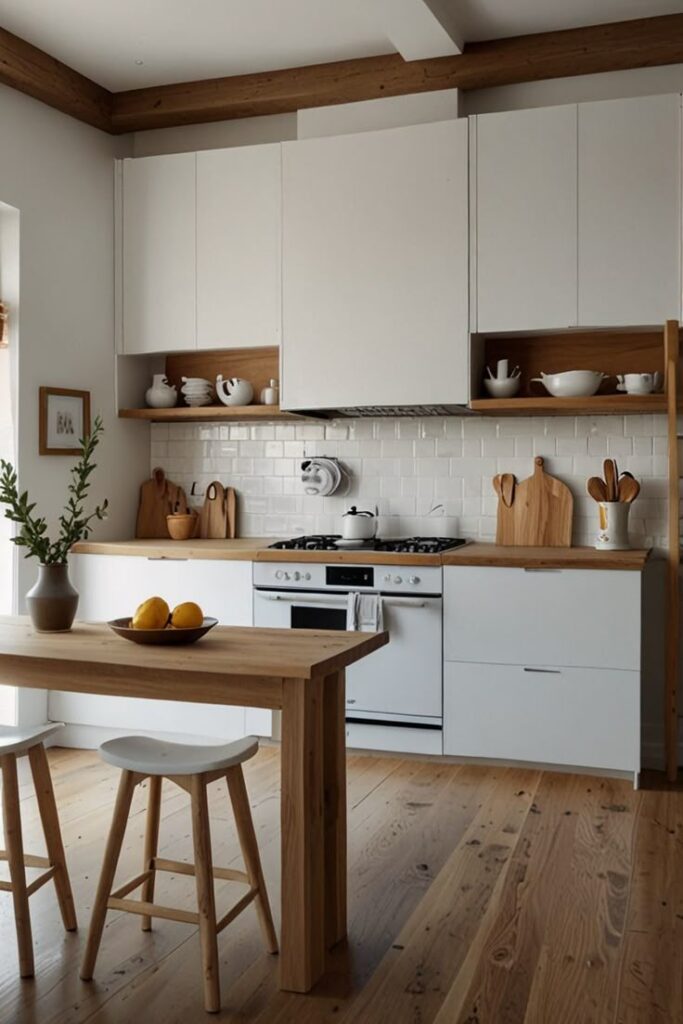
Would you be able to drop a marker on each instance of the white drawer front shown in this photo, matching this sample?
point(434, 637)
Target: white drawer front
point(580, 617)
point(572, 716)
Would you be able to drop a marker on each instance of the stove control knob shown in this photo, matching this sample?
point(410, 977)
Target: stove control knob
point(279, 575)
point(414, 580)
point(307, 576)
point(387, 579)
point(398, 579)
point(297, 575)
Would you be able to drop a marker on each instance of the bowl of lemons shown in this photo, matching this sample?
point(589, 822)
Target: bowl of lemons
point(155, 623)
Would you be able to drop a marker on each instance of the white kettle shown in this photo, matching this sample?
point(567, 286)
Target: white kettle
point(359, 525)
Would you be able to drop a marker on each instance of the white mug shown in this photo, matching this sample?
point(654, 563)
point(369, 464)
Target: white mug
point(639, 383)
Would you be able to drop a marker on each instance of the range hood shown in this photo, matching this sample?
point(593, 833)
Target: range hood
point(405, 411)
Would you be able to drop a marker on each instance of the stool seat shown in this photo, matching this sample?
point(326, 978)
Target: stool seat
point(16, 740)
point(148, 756)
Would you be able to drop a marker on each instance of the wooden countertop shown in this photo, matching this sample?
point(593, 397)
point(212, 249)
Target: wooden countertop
point(256, 549)
point(546, 558)
point(243, 549)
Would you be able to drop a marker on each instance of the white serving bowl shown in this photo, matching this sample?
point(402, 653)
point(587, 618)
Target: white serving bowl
point(507, 387)
point(571, 383)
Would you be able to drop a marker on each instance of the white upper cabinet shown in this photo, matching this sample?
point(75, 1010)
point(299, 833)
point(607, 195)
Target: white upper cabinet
point(629, 211)
point(525, 210)
point(375, 268)
point(238, 247)
point(158, 253)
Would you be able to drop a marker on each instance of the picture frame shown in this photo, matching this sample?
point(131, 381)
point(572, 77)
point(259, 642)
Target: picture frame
point(64, 420)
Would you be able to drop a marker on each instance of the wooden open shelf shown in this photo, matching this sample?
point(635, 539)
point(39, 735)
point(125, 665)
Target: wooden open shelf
point(609, 352)
point(257, 365)
point(597, 405)
point(209, 414)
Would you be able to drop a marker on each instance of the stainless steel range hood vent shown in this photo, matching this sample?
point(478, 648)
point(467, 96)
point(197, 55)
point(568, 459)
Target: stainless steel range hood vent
point(395, 410)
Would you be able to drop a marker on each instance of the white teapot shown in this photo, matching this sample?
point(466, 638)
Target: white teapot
point(234, 391)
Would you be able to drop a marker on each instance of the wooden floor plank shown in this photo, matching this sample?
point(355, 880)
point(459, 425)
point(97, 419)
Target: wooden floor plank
point(477, 894)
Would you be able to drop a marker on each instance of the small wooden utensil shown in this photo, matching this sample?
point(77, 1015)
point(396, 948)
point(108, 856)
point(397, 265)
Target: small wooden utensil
point(597, 488)
point(610, 471)
point(628, 488)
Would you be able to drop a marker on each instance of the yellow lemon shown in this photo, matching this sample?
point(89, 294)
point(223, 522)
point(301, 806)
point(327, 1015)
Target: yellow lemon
point(187, 616)
point(151, 614)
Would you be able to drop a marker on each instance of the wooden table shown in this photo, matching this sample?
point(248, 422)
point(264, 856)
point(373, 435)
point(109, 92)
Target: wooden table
point(300, 672)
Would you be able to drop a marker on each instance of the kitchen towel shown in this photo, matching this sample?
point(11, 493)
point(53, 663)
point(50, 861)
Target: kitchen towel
point(364, 613)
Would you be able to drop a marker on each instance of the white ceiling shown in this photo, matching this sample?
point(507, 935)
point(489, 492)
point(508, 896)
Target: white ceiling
point(181, 40)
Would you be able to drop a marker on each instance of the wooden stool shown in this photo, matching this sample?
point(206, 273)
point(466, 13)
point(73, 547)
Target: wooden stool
point(14, 743)
point(192, 768)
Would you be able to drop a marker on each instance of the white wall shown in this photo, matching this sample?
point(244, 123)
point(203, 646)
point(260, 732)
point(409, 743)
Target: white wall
point(59, 174)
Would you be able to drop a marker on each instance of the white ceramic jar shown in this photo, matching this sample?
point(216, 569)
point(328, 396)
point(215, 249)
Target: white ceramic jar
point(161, 395)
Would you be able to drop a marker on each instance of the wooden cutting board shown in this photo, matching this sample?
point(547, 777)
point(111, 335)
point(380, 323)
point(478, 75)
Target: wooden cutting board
point(217, 518)
point(158, 498)
point(540, 514)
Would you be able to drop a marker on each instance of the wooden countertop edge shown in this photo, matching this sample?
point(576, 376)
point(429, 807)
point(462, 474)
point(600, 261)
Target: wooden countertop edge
point(475, 554)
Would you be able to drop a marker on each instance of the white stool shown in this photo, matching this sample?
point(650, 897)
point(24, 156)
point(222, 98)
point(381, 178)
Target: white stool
point(191, 767)
point(14, 743)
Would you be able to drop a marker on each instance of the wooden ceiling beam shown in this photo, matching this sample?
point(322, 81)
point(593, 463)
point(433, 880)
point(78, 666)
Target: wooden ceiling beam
point(32, 71)
point(645, 42)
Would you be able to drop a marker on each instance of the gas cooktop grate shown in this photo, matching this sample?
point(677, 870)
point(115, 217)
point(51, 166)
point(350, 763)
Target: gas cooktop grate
point(400, 545)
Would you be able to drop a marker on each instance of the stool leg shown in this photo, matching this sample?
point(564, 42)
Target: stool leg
point(15, 857)
point(206, 901)
point(42, 780)
point(151, 842)
point(250, 852)
point(111, 857)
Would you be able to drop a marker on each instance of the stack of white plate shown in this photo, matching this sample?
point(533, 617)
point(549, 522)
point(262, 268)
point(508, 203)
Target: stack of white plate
point(197, 391)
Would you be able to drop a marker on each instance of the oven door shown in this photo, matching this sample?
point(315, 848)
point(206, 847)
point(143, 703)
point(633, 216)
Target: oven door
point(401, 682)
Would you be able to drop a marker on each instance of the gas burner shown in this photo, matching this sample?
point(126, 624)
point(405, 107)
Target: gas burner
point(401, 545)
point(420, 545)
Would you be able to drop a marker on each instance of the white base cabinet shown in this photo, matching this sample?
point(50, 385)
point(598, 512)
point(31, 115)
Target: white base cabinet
point(543, 666)
point(111, 586)
point(566, 716)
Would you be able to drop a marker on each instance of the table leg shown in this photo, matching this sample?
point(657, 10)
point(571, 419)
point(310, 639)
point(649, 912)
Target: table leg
point(334, 776)
point(302, 953)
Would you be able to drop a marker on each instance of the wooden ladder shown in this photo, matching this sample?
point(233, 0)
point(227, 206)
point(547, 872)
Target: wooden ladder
point(671, 355)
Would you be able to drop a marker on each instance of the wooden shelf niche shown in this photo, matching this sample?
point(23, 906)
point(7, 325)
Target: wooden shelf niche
point(610, 352)
point(257, 365)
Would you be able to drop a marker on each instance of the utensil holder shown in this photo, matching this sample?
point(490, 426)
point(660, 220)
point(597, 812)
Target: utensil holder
point(613, 526)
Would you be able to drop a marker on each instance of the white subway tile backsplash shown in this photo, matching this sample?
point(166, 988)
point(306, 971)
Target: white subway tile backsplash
point(407, 466)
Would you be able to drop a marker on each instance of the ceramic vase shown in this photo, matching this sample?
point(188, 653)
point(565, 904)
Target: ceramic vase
point(52, 601)
point(161, 395)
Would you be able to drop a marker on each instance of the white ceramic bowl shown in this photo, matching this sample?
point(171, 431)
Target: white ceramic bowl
point(507, 387)
point(572, 383)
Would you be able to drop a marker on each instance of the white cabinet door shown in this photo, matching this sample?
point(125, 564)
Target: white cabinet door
point(112, 586)
point(238, 247)
point(629, 211)
point(526, 209)
point(159, 253)
point(375, 268)
point(579, 617)
point(584, 717)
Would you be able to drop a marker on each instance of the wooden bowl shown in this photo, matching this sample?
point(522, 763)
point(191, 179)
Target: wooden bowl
point(162, 637)
point(182, 525)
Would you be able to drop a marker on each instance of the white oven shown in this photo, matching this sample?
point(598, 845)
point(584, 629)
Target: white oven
point(399, 685)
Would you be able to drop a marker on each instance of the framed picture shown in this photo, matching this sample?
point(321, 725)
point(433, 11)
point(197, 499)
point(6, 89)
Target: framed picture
point(64, 419)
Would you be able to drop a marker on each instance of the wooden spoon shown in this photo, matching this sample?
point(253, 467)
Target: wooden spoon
point(628, 489)
point(507, 483)
point(597, 488)
point(609, 469)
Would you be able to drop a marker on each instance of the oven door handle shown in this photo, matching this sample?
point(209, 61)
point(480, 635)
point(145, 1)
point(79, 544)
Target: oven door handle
point(340, 602)
point(304, 599)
